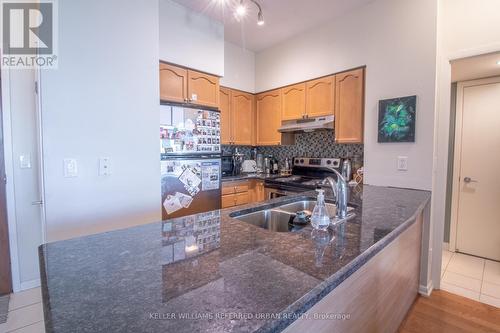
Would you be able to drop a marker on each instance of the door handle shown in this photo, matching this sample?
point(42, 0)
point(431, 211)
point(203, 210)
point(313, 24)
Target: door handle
point(35, 203)
point(470, 180)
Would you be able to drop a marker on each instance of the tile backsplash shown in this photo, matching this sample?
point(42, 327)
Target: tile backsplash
point(313, 144)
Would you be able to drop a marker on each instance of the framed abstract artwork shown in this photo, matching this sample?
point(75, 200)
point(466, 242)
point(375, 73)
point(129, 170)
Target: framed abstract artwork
point(396, 119)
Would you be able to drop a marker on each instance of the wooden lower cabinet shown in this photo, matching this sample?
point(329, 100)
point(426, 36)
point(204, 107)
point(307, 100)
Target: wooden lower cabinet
point(239, 193)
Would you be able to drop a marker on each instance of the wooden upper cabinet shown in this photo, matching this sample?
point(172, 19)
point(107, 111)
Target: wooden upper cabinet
point(203, 89)
point(225, 115)
point(293, 102)
point(173, 83)
point(242, 117)
point(349, 110)
point(320, 97)
point(269, 118)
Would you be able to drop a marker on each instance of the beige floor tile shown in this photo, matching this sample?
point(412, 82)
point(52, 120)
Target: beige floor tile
point(489, 300)
point(22, 317)
point(460, 291)
point(491, 289)
point(467, 265)
point(462, 281)
point(492, 271)
point(24, 298)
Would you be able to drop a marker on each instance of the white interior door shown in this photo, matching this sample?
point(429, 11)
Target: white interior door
point(478, 211)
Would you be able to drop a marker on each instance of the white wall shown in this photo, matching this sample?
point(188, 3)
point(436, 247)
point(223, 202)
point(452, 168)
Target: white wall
point(396, 40)
point(191, 39)
point(239, 68)
point(465, 28)
point(102, 101)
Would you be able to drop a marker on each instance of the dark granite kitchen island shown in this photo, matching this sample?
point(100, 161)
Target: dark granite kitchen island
point(212, 273)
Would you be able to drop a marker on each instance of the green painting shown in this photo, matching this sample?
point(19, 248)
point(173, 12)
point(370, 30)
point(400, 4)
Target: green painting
point(396, 119)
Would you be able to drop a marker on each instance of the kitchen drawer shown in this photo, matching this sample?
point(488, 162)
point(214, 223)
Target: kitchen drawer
point(241, 188)
point(242, 198)
point(226, 190)
point(228, 201)
point(235, 187)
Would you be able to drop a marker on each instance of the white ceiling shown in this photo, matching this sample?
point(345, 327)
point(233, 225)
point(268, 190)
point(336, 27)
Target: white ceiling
point(283, 18)
point(475, 67)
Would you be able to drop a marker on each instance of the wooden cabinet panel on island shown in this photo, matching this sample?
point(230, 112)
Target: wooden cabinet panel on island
point(293, 102)
point(173, 83)
point(320, 97)
point(269, 118)
point(203, 89)
point(225, 116)
point(349, 110)
point(242, 105)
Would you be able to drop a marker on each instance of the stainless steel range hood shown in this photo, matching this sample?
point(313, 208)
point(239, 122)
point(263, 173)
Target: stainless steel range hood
point(308, 125)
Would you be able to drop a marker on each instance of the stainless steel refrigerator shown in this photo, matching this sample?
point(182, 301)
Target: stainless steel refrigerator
point(190, 160)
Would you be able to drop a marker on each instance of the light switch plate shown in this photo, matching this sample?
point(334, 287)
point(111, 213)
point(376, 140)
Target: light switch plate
point(104, 166)
point(25, 161)
point(403, 163)
point(70, 168)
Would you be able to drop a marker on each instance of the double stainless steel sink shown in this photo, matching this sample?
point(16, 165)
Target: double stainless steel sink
point(280, 218)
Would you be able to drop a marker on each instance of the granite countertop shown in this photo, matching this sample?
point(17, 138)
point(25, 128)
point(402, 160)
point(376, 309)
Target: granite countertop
point(212, 273)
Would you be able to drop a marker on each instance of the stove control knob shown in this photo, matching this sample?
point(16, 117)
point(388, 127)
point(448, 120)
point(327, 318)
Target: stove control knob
point(302, 161)
point(329, 162)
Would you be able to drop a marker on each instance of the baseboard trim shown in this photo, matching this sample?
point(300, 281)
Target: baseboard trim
point(426, 290)
point(29, 284)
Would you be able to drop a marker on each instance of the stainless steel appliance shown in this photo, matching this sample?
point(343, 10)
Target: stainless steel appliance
point(307, 175)
point(227, 165)
point(190, 161)
point(238, 159)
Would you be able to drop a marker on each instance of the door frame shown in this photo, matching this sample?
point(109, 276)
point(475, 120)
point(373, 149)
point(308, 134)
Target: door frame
point(9, 188)
point(457, 158)
point(5, 249)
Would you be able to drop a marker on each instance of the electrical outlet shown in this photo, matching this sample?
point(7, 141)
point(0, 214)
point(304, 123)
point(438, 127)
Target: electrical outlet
point(403, 163)
point(70, 168)
point(25, 161)
point(104, 166)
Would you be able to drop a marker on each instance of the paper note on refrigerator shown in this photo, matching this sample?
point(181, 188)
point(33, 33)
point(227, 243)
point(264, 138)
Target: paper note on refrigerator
point(191, 181)
point(210, 173)
point(184, 199)
point(172, 204)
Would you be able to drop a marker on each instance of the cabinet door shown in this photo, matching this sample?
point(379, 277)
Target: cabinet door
point(320, 97)
point(242, 117)
point(228, 200)
point(293, 102)
point(203, 89)
point(225, 116)
point(269, 118)
point(173, 83)
point(349, 110)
